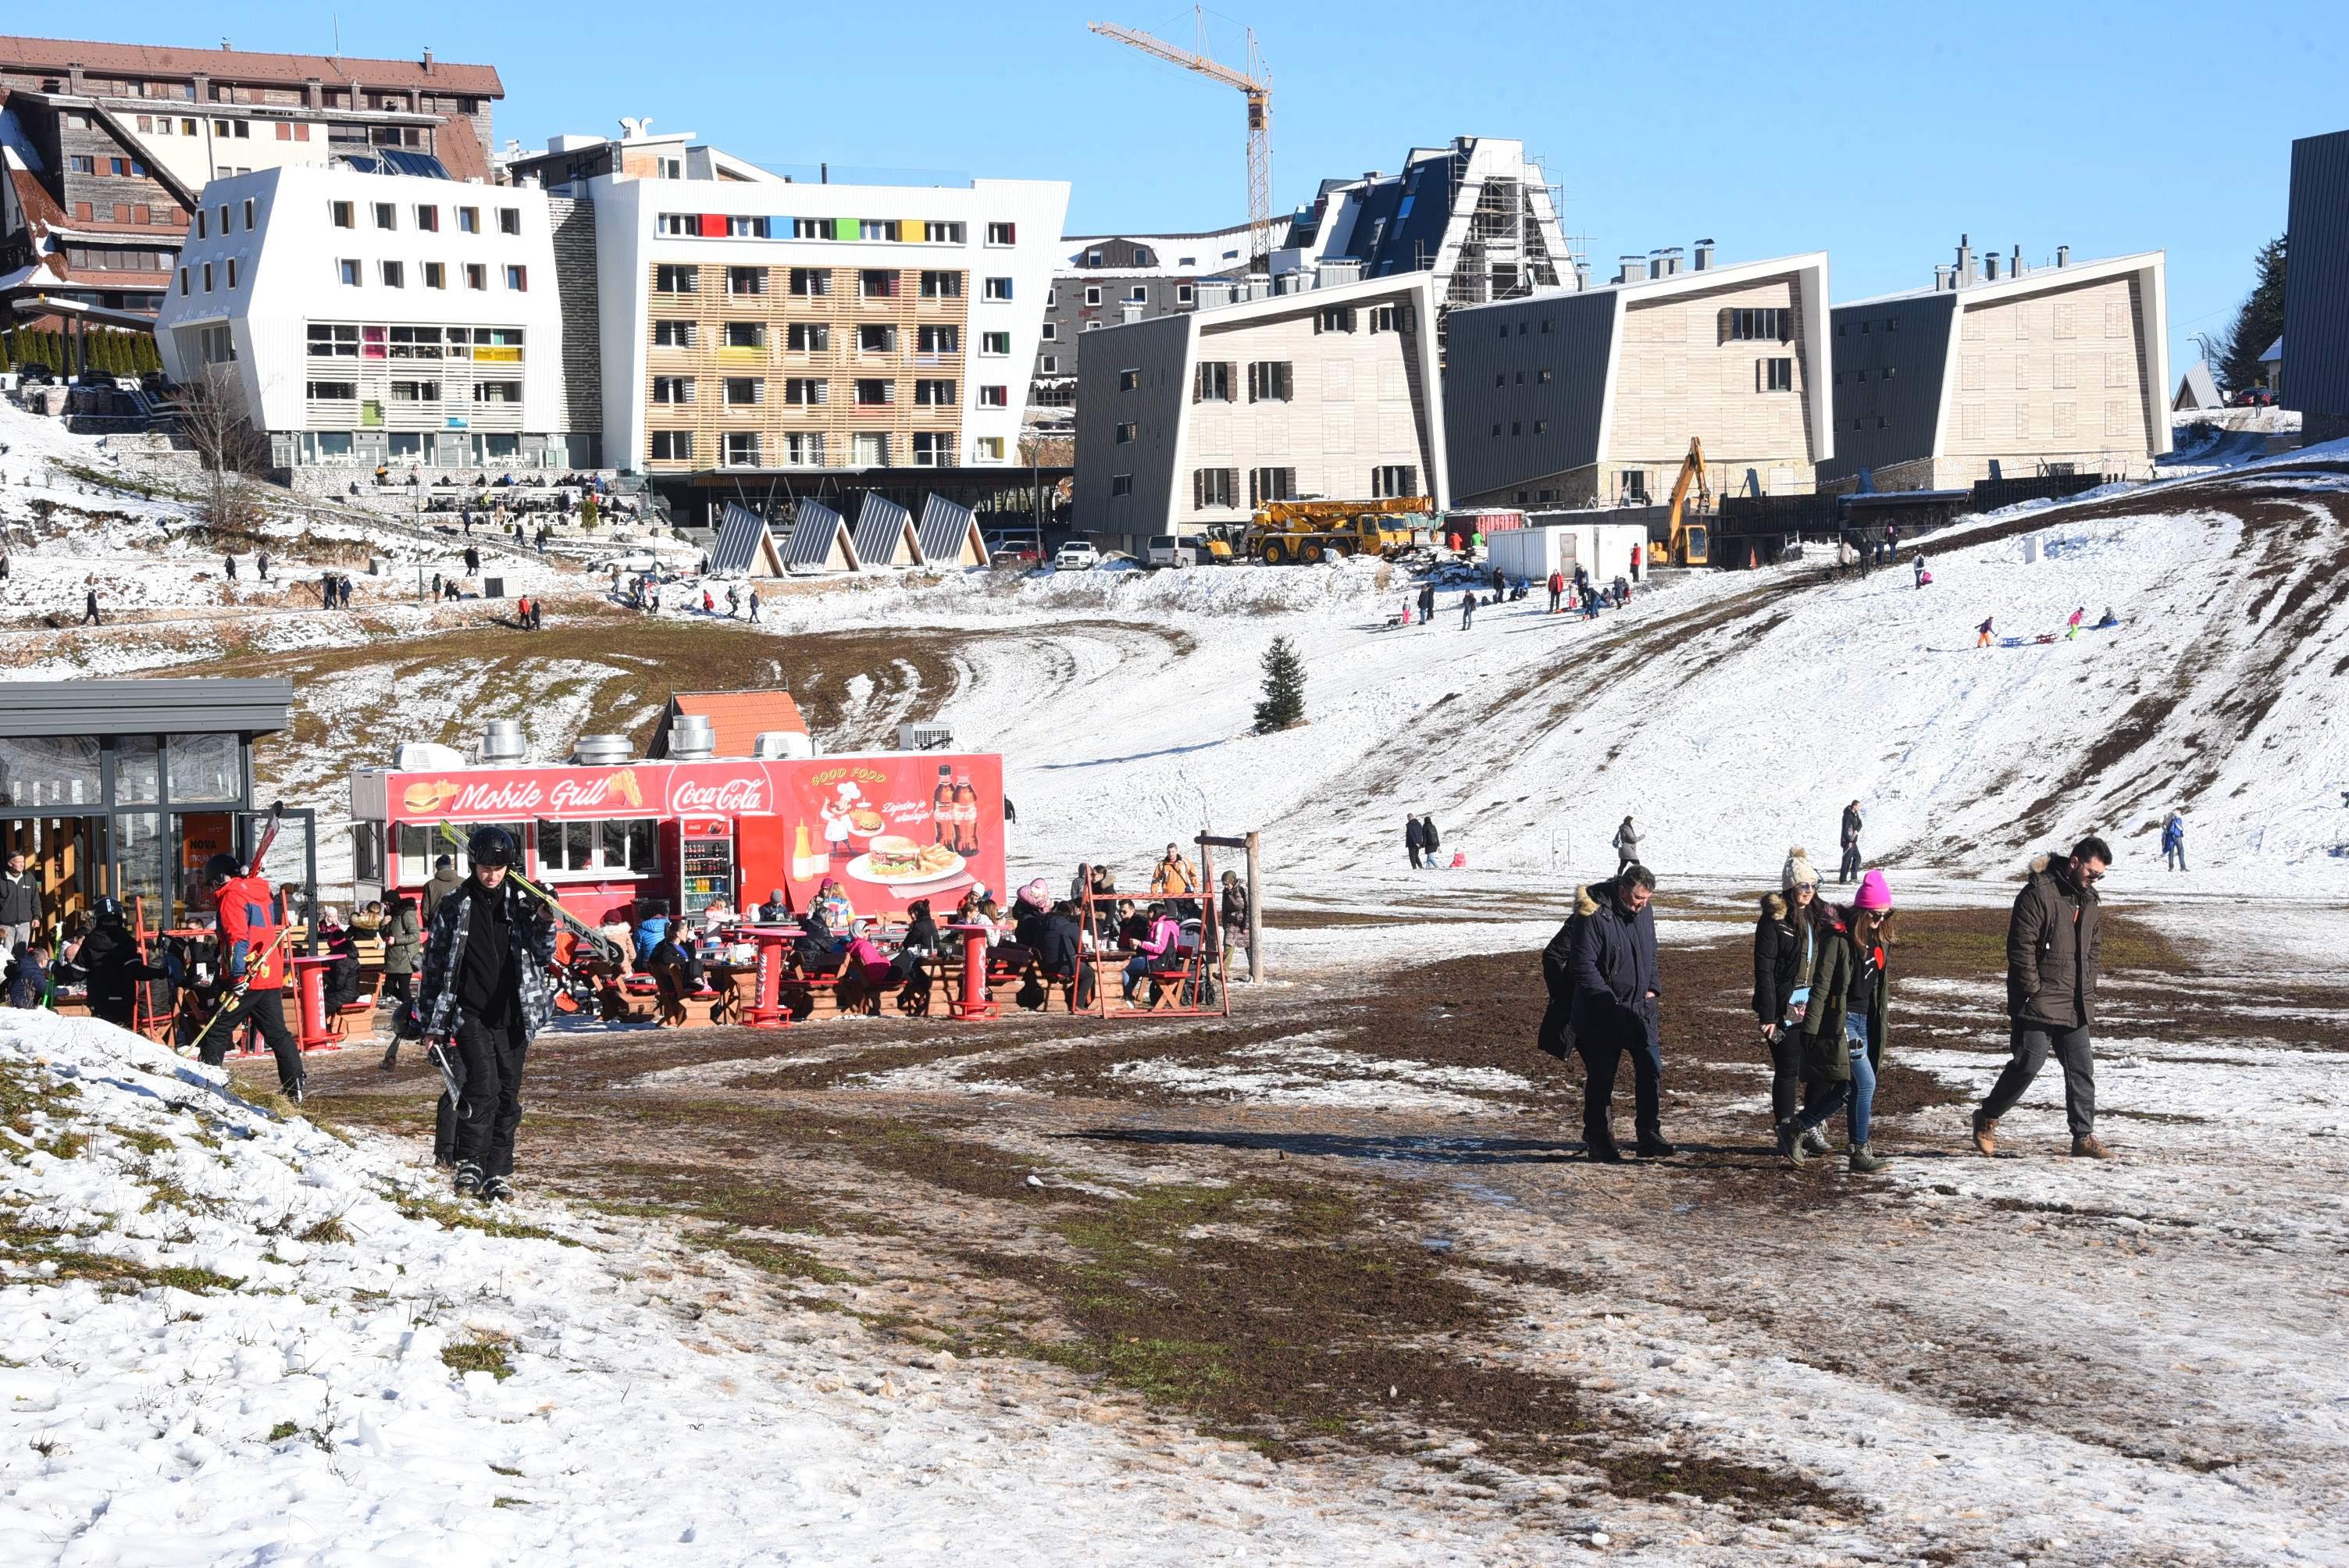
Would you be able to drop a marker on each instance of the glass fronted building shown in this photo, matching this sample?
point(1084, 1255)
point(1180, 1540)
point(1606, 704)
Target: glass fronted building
point(126, 786)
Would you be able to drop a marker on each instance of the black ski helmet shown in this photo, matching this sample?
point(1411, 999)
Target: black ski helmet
point(222, 868)
point(491, 846)
point(105, 909)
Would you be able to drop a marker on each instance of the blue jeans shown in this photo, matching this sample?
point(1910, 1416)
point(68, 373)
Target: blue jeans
point(1136, 969)
point(1859, 1091)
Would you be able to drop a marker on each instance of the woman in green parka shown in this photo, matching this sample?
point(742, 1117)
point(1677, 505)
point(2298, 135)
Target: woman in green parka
point(1845, 1030)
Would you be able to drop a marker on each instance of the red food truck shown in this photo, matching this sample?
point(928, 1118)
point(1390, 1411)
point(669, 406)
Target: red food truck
point(891, 827)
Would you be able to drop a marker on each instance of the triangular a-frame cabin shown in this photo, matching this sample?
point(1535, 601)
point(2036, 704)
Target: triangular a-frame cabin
point(746, 545)
point(884, 534)
point(820, 541)
point(949, 535)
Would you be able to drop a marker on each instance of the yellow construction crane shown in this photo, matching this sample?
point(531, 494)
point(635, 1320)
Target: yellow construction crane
point(1255, 82)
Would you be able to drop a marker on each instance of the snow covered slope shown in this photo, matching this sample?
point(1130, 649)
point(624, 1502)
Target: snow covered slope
point(227, 1338)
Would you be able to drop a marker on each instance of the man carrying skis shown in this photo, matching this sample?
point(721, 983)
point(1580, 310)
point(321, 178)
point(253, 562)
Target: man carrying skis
point(484, 998)
point(252, 957)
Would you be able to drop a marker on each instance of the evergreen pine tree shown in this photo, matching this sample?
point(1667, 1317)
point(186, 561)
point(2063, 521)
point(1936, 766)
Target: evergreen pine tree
point(2258, 324)
point(1283, 706)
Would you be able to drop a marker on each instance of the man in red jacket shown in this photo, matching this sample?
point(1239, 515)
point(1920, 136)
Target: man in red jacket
point(249, 947)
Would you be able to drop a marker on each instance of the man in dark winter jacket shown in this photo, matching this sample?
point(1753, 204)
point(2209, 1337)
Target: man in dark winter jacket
point(2052, 945)
point(1430, 840)
point(20, 903)
point(1611, 955)
point(110, 960)
point(1414, 839)
point(484, 994)
point(1851, 825)
point(445, 880)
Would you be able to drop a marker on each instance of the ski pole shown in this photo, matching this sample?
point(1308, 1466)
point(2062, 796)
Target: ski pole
point(237, 995)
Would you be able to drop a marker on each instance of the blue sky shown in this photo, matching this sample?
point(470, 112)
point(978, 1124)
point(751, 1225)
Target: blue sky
point(1878, 132)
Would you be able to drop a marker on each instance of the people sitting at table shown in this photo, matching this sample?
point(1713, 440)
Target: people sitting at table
point(1061, 952)
point(671, 965)
point(652, 928)
point(817, 950)
point(776, 909)
point(1133, 924)
point(368, 921)
point(341, 945)
point(1155, 949)
point(1028, 912)
point(718, 916)
point(920, 945)
point(833, 905)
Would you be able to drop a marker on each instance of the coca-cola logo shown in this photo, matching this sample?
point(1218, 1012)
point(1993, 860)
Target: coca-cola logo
point(741, 793)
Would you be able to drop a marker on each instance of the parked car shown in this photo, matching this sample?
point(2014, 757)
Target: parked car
point(1011, 553)
point(1168, 550)
point(2253, 397)
point(1077, 556)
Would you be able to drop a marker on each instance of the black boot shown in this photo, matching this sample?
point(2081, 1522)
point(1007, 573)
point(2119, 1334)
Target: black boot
point(468, 1179)
point(497, 1190)
point(1790, 1140)
point(1652, 1145)
point(1599, 1142)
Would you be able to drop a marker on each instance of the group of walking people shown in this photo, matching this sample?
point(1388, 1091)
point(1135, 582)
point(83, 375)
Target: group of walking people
point(1822, 1002)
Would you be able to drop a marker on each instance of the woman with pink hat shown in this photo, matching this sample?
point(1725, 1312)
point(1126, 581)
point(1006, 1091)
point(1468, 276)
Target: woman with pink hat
point(1844, 1025)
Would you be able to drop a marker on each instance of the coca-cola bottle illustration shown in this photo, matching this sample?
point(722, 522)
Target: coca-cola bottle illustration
point(966, 807)
point(942, 809)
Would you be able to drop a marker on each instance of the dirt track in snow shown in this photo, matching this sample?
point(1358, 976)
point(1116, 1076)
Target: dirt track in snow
point(1352, 1225)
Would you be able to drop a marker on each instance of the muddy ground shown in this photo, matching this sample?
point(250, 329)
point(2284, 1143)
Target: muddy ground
point(1352, 1226)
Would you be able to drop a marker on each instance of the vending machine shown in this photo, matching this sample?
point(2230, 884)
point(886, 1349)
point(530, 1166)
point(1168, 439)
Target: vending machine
point(705, 864)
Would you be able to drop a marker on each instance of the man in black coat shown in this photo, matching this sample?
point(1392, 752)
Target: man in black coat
point(1851, 826)
point(1430, 840)
point(1611, 955)
point(1414, 839)
point(110, 961)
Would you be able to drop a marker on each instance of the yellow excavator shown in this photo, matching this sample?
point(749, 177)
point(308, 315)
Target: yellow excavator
point(1312, 531)
point(1691, 543)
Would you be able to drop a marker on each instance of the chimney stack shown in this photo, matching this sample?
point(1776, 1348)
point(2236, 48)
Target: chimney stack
point(2015, 264)
point(1669, 261)
point(1965, 272)
point(1942, 279)
point(1990, 266)
point(1581, 275)
point(1635, 270)
point(2063, 255)
point(1704, 255)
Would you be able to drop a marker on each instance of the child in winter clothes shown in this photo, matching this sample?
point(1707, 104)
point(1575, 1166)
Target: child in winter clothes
point(27, 980)
point(1845, 1024)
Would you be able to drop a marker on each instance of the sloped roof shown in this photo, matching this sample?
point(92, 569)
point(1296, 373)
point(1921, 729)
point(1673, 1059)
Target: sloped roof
point(882, 527)
point(817, 532)
point(239, 65)
point(2274, 354)
point(946, 530)
point(744, 543)
point(2196, 389)
point(737, 718)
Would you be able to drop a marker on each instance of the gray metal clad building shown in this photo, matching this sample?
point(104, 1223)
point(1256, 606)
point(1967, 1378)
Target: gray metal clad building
point(2061, 367)
point(1583, 398)
point(2316, 287)
point(1133, 375)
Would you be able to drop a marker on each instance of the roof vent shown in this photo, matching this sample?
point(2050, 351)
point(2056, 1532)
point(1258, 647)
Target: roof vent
point(769, 745)
point(1964, 274)
point(2063, 255)
point(692, 738)
point(1668, 261)
point(602, 750)
point(1635, 270)
point(1941, 277)
point(425, 756)
point(1990, 267)
point(1704, 255)
point(1338, 272)
point(503, 741)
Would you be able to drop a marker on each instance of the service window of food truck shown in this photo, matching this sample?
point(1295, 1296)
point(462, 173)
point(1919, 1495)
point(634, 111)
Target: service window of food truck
point(614, 847)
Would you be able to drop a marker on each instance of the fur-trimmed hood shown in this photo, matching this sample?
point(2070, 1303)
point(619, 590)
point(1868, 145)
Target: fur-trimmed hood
point(1774, 905)
point(1586, 899)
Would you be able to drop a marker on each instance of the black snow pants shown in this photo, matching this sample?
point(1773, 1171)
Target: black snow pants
point(489, 1110)
point(266, 1009)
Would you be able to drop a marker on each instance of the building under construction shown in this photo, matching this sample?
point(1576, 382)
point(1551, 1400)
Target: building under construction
point(1478, 214)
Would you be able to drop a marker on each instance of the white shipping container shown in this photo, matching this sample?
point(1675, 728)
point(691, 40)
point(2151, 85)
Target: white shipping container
point(1604, 549)
point(1532, 553)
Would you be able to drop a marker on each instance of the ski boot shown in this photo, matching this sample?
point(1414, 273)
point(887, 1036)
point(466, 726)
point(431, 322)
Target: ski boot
point(468, 1179)
point(498, 1190)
